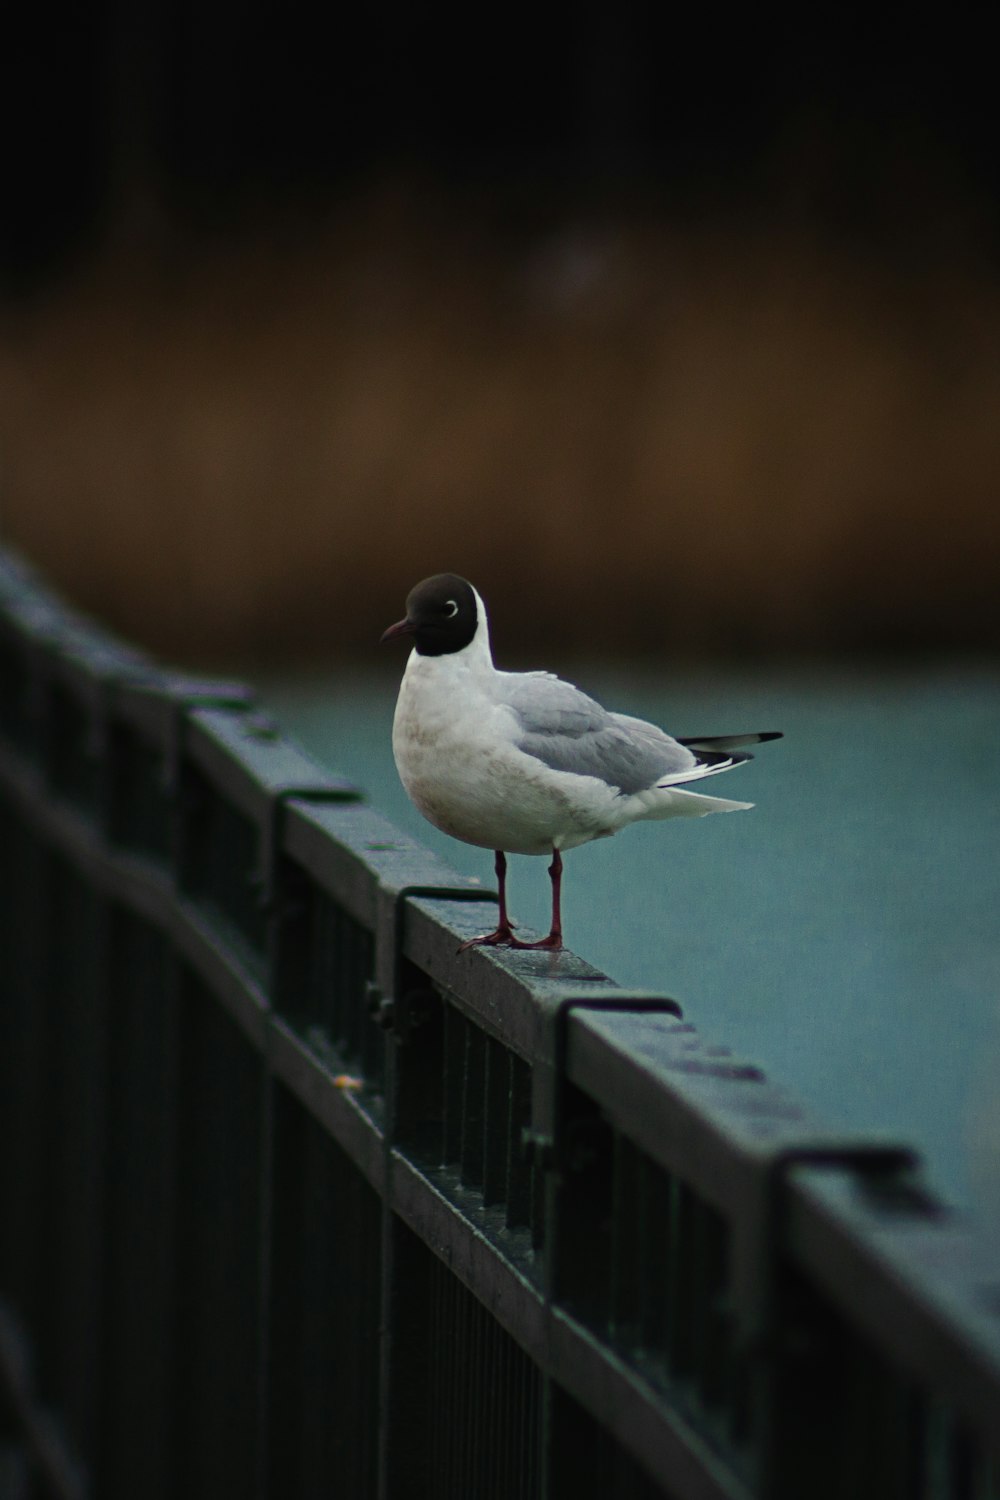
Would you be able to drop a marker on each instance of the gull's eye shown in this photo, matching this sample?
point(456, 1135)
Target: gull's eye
point(449, 610)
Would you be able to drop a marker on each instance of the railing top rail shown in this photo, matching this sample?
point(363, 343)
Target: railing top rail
point(910, 1272)
point(845, 1208)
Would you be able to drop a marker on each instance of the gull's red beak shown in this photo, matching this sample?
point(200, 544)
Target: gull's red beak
point(402, 627)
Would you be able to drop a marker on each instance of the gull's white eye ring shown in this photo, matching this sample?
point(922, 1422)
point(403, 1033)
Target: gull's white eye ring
point(450, 609)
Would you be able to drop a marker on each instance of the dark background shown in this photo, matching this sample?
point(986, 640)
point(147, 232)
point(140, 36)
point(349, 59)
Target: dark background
point(233, 116)
point(689, 307)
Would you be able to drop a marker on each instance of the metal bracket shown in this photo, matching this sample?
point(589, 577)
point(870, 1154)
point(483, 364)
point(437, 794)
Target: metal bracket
point(756, 1270)
point(232, 696)
point(272, 832)
point(544, 1140)
point(390, 1004)
point(760, 1233)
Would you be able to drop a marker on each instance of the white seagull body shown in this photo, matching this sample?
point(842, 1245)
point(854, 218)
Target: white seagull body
point(523, 762)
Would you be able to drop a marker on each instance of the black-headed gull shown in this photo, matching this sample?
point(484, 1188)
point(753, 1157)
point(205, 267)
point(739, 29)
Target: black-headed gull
point(522, 762)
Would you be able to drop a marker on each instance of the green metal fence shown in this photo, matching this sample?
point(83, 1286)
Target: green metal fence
point(298, 1201)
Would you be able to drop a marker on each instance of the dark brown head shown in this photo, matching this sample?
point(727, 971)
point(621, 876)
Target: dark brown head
point(442, 615)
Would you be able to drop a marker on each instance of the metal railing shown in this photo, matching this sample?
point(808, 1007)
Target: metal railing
point(299, 1201)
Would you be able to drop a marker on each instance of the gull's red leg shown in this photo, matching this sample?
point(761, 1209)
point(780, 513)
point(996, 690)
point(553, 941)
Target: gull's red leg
point(505, 928)
point(555, 875)
point(504, 935)
point(555, 938)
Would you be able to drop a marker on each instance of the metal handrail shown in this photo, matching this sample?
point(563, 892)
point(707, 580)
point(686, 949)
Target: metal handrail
point(677, 1276)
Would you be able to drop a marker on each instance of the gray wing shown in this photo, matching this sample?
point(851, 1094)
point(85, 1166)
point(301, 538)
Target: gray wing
point(567, 731)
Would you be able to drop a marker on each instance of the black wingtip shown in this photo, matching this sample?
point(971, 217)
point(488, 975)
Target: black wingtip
point(726, 742)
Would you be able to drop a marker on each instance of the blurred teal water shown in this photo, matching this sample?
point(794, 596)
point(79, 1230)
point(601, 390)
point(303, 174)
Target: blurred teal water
point(845, 934)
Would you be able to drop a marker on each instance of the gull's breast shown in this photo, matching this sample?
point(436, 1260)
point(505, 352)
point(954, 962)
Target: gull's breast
point(465, 775)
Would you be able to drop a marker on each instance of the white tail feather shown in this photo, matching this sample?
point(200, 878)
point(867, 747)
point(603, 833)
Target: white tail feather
point(678, 804)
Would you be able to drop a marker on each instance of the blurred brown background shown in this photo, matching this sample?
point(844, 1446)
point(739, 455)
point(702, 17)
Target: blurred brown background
point(676, 336)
